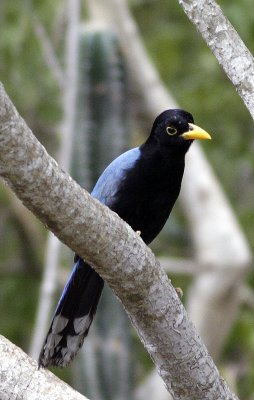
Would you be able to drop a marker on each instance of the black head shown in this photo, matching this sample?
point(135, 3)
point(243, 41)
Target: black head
point(176, 128)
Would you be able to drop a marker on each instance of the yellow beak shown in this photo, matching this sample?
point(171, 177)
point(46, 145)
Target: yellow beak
point(195, 132)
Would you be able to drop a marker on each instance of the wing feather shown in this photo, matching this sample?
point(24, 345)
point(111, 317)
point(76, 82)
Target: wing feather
point(110, 180)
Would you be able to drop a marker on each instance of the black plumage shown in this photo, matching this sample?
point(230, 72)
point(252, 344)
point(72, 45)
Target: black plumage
point(141, 186)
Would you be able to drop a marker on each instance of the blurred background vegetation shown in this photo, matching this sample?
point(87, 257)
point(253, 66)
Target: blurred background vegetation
point(193, 76)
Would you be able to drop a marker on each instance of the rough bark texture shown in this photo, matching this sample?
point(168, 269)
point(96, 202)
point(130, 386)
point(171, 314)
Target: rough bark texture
point(223, 40)
point(20, 378)
point(117, 253)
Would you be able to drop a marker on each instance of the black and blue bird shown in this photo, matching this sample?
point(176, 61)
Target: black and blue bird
point(141, 186)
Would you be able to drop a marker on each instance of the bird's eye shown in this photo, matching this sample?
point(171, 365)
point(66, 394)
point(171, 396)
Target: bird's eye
point(171, 130)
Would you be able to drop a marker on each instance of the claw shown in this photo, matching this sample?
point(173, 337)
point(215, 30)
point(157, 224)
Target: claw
point(179, 292)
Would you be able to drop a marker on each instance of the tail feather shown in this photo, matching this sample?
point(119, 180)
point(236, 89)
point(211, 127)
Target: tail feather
point(73, 316)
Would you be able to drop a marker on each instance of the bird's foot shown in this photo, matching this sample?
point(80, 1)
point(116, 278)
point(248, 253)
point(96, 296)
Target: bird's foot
point(138, 233)
point(179, 292)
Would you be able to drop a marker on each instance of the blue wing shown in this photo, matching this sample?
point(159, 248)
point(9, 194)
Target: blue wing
point(109, 181)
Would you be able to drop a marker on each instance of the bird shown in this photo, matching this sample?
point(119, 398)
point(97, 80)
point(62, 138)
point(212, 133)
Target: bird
point(141, 186)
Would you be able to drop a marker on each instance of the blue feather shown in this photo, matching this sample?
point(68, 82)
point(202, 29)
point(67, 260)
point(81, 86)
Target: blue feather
point(109, 181)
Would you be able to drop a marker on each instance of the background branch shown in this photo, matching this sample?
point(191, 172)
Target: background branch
point(225, 43)
point(48, 50)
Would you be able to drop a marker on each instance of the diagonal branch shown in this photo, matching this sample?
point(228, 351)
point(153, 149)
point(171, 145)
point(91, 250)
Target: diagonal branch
point(225, 43)
point(117, 253)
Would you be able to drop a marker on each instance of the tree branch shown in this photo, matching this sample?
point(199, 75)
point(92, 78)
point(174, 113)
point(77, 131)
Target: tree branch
point(117, 253)
point(21, 379)
point(225, 43)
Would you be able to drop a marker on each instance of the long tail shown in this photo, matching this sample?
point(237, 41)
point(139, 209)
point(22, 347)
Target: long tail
point(73, 316)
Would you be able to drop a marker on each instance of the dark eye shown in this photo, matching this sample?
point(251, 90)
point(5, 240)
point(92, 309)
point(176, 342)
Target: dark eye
point(171, 130)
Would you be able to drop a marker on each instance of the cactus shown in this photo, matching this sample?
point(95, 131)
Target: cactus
point(101, 134)
point(101, 131)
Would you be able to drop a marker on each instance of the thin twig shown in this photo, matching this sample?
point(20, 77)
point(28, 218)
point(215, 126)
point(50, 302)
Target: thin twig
point(48, 51)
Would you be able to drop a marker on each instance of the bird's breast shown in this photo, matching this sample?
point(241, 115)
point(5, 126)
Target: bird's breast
point(146, 197)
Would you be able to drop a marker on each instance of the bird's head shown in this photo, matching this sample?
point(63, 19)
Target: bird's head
point(176, 128)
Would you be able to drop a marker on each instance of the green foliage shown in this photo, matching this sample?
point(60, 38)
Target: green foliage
point(239, 351)
point(23, 70)
point(17, 306)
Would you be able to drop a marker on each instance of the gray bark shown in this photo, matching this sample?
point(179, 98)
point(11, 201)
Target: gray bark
point(225, 43)
point(117, 253)
point(20, 378)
